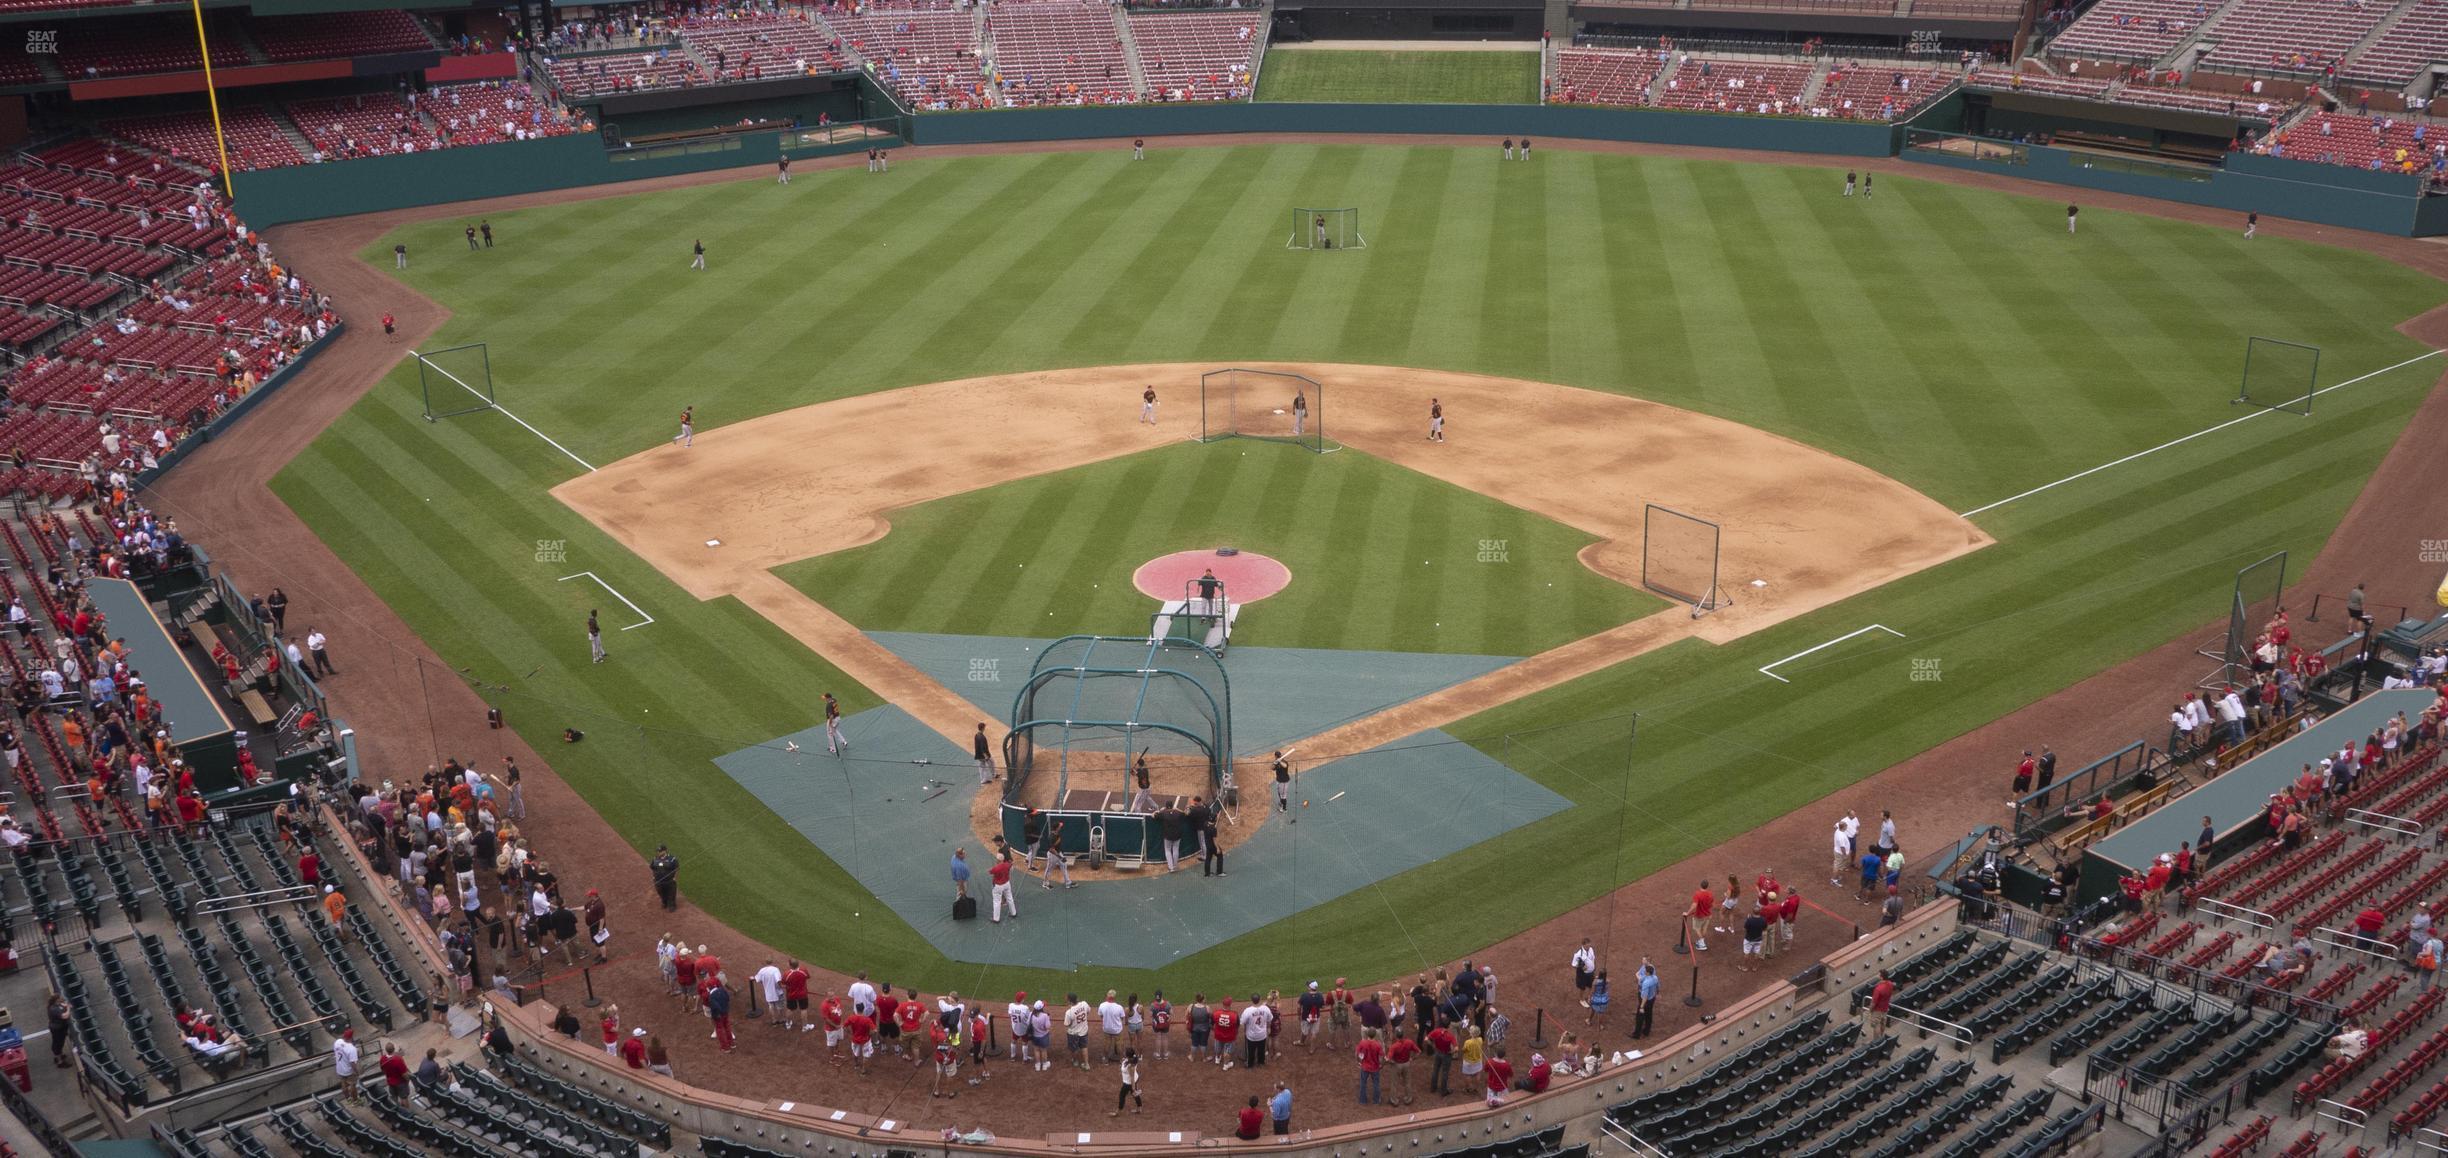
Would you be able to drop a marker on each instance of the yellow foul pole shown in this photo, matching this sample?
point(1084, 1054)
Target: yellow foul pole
point(214, 99)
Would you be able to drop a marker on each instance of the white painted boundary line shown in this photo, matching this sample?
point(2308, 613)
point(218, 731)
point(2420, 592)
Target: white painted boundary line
point(521, 421)
point(2190, 437)
point(615, 594)
point(1831, 643)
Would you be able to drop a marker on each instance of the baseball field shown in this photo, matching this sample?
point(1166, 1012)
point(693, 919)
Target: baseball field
point(1954, 342)
point(1371, 76)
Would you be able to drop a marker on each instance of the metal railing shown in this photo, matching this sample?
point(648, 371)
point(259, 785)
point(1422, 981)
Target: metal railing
point(2219, 910)
point(2399, 825)
point(2135, 1097)
point(1961, 1035)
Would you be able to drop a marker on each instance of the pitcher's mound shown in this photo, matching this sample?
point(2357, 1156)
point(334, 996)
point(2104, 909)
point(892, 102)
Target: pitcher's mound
point(1247, 578)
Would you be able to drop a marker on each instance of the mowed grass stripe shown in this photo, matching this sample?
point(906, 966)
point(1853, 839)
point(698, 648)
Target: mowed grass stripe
point(1203, 187)
point(1348, 76)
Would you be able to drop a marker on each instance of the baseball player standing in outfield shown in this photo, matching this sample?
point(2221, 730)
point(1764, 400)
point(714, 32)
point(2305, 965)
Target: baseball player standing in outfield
point(834, 743)
point(1300, 412)
point(698, 262)
point(594, 636)
point(688, 427)
point(1436, 420)
point(1147, 405)
point(1139, 148)
point(784, 165)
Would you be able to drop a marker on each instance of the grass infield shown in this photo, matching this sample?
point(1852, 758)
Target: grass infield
point(1383, 558)
point(1357, 76)
point(1956, 339)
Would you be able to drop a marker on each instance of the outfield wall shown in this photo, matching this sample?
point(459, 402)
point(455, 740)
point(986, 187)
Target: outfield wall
point(2388, 203)
point(1581, 122)
point(269, 197)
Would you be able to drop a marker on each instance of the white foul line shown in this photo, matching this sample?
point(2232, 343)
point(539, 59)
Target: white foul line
point(521, 421)
point(1831, 643)
point(2190, 437)
point(615, 594)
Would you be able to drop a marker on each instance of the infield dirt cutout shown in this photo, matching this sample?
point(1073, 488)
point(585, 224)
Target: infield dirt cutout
point(823, 478)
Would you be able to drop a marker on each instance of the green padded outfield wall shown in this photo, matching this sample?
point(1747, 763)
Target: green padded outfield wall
point(269, 197)
point(2325, 194)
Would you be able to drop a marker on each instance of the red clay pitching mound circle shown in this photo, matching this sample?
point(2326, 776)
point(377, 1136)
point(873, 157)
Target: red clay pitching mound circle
point(1247, 578)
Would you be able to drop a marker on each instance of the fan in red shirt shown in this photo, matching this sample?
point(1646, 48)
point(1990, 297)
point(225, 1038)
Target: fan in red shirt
point(1766, 886)
point(1703, 903)
point(1541, 1072)
point(794, 996)
point(1882, 995)
point(912, 1016)
point(1499, 1077)
point(862, 1030)
point(684, 974)
point(888, 1023)
point(1371, 1053)
point(633, 1050)
point(831, 1008)
point(1227, 1029)
point(1440, 1069)
point(1253, 1120)
point(1400, 1053)
point(394, 1071)
point(1789, 913)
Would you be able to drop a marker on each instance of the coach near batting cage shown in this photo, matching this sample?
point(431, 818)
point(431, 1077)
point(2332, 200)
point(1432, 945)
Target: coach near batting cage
point(1095, 712)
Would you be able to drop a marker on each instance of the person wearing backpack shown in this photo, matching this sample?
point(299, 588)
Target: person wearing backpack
point(2427, 962)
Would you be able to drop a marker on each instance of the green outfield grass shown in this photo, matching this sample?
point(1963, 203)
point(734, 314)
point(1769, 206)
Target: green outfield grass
point(1356, 76)
point(1953, 338)
point(1382, 558)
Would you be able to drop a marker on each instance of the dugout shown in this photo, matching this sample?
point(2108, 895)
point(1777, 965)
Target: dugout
point(2234, 800)
point(1091, 709)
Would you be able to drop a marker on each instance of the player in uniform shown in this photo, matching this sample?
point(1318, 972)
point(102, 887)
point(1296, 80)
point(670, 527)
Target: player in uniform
point(834, 741)
point(1436, 420)
point(1300, 412)
point(1322, 243)
point(688, 427)
point(594, 636)
point(784, 166)
point(1283, 783)
point(698, 262)
point(1147, 405)
point(2070, 212)
point(1138, 148)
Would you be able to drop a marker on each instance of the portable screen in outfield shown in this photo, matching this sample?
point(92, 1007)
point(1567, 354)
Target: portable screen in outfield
point(455, 380)
point(2279, 375)
point(1326, 229)
point(1269, 404)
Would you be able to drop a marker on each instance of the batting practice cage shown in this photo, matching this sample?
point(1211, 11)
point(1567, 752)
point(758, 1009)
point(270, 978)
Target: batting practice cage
point(1679, 558)
point(2260, 594)
point(1093, 708)
point(1265, 404)
point(1326, 229)
point(2279, 375)
point(455, 380)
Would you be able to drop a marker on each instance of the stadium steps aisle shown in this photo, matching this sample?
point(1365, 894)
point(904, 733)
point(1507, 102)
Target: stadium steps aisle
point(1130, 51)
point(2396, 15)
point(2183, 51)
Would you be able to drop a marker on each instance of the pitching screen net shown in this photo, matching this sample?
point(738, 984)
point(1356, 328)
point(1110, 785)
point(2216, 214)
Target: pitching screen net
point(1679, 558)
point(1265, 404)
point(1326, 229)
point(2279, 375)
point(455, 380)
